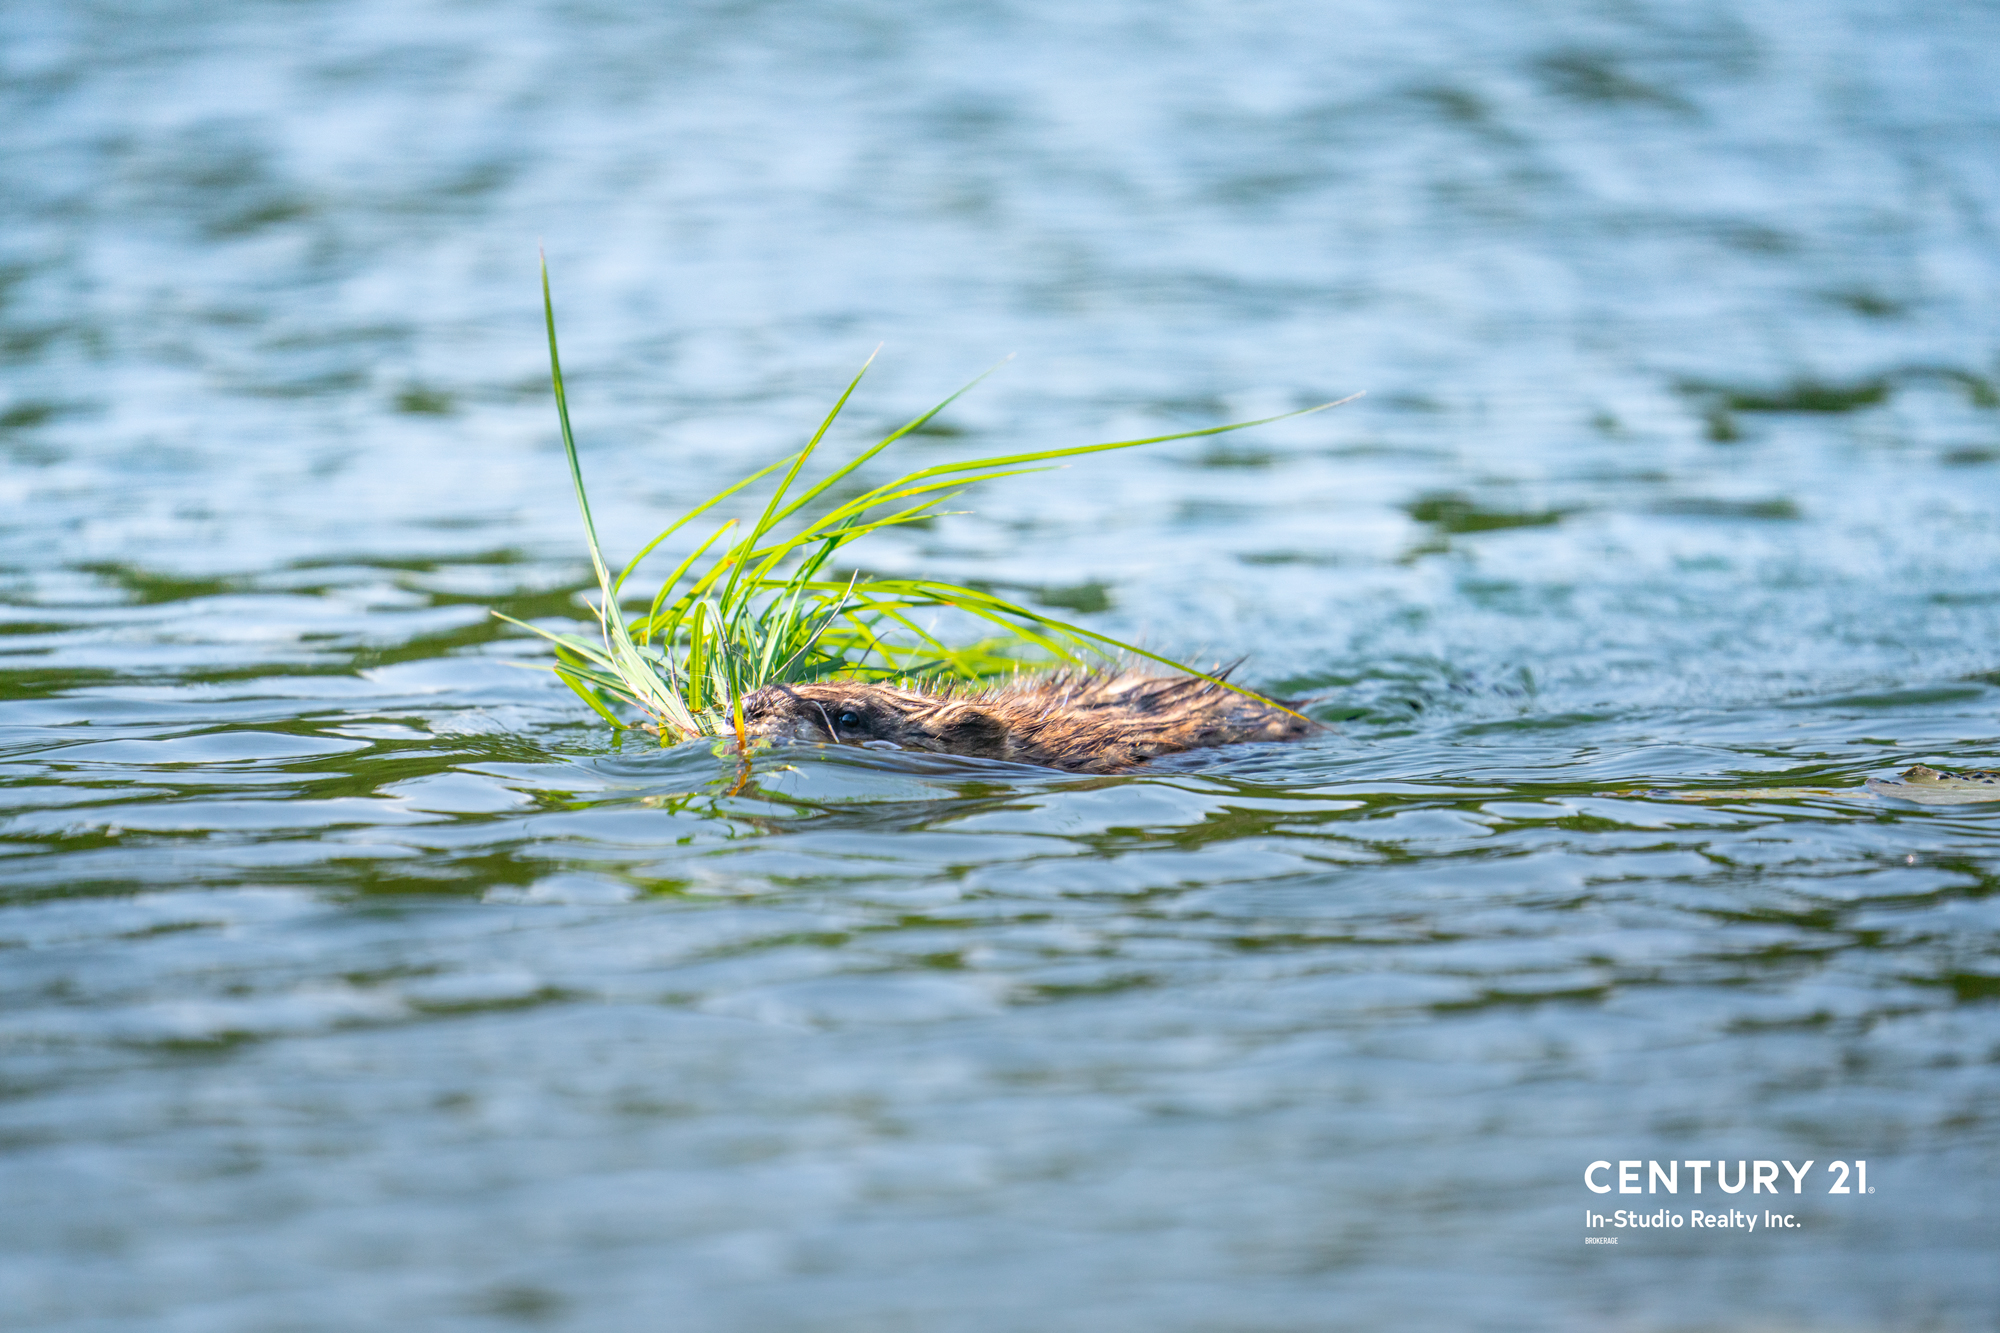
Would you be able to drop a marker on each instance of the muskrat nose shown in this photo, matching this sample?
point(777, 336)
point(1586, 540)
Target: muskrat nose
point(764, 700)
point(774, 709)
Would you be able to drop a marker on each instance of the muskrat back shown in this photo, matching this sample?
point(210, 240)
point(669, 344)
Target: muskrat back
point(1084, 722)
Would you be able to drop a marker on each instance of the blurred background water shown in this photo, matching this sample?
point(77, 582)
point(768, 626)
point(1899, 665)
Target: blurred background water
point(352, 978)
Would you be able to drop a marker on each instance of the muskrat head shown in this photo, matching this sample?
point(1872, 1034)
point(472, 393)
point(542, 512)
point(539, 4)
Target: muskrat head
point(877, 717)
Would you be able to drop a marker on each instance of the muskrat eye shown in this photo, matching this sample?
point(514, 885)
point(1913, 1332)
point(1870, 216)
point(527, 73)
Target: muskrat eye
point(847, 719)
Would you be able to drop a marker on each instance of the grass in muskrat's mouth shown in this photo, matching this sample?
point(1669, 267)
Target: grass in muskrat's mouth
point(765, 608)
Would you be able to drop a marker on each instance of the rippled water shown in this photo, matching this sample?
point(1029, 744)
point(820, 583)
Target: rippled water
point(352, 978)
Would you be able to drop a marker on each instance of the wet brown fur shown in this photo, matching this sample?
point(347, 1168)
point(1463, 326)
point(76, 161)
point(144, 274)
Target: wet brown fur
point(1084, 722)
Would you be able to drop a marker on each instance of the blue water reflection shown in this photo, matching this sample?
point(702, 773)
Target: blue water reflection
point(352, 977)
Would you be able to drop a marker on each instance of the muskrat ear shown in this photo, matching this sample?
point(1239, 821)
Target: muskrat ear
point(973, 731)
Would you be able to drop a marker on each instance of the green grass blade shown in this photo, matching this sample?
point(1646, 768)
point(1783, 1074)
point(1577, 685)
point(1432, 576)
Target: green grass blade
point(848, 468)
point(564, 640)
point(589, 696)
point(568, 435)
point(769, 518)
point(1079, 450)
point(695, 513)
point(680, 572)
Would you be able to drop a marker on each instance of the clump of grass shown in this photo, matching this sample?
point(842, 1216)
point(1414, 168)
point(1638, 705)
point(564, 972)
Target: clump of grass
point(768, 608)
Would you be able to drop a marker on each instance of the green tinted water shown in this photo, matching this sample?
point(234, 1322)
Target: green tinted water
point(352, 977)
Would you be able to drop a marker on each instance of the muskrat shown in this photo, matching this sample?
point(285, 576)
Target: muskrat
point(1084, 722)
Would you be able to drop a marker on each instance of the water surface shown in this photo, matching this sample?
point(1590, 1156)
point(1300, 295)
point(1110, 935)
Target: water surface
point(353, 977)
